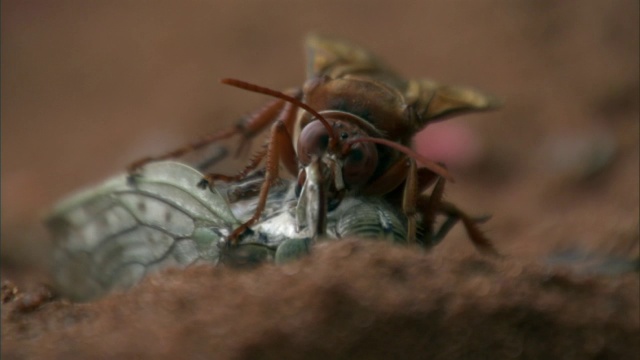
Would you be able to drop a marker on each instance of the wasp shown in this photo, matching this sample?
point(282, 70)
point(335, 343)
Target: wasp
point(352, 122)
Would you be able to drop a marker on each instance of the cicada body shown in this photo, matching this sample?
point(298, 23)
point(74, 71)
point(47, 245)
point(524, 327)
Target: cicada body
point(112, 235)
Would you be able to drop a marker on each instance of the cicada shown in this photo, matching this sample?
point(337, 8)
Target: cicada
point(353, 121)
point(112, 235)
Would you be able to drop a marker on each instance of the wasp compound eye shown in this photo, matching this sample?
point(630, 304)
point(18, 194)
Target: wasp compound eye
point(313, 141)
point(359, 164)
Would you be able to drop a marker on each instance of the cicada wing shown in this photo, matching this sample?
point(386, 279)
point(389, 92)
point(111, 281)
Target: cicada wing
point(110, 236)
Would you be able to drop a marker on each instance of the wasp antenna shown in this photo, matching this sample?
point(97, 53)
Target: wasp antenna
point(280, 95)
point(429, 164)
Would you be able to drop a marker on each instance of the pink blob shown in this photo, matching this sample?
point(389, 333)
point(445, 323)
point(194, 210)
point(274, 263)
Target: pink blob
point(452, 143)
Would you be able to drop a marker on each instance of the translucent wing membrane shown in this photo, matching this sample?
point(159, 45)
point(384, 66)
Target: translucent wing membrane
point(110, 236)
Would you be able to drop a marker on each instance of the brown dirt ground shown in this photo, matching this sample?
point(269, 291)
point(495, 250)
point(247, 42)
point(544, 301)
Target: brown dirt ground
point(89, 86)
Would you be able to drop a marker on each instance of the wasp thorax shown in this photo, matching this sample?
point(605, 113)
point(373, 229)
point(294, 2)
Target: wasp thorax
point(359, 160)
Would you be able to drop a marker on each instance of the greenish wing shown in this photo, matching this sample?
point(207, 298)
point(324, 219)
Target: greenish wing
point(111, 235)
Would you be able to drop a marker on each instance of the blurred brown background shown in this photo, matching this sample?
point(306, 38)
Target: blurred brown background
point(89, 86)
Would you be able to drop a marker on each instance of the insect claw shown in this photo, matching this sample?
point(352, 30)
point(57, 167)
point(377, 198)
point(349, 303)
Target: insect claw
point(135, 167)
point(237, 235)
point(132, 179)
point(205, 184)
point(246, 232)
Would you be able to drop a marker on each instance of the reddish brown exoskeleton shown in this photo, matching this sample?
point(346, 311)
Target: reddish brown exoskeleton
point(357, 119)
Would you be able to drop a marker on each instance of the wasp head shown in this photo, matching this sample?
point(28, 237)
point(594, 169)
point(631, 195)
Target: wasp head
point(352, 165)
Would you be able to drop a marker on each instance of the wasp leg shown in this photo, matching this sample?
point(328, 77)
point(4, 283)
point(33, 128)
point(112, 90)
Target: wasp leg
point(221, 152)
point(248, 128)
point(287, 118)
point(402, 175)
point(415, 182)
point(280, 147)
point(209, 179)
point(434, 239)
point(476, 235)
point(409, 199)
point(429, 208)
point(432, 205)
point(281, 110)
